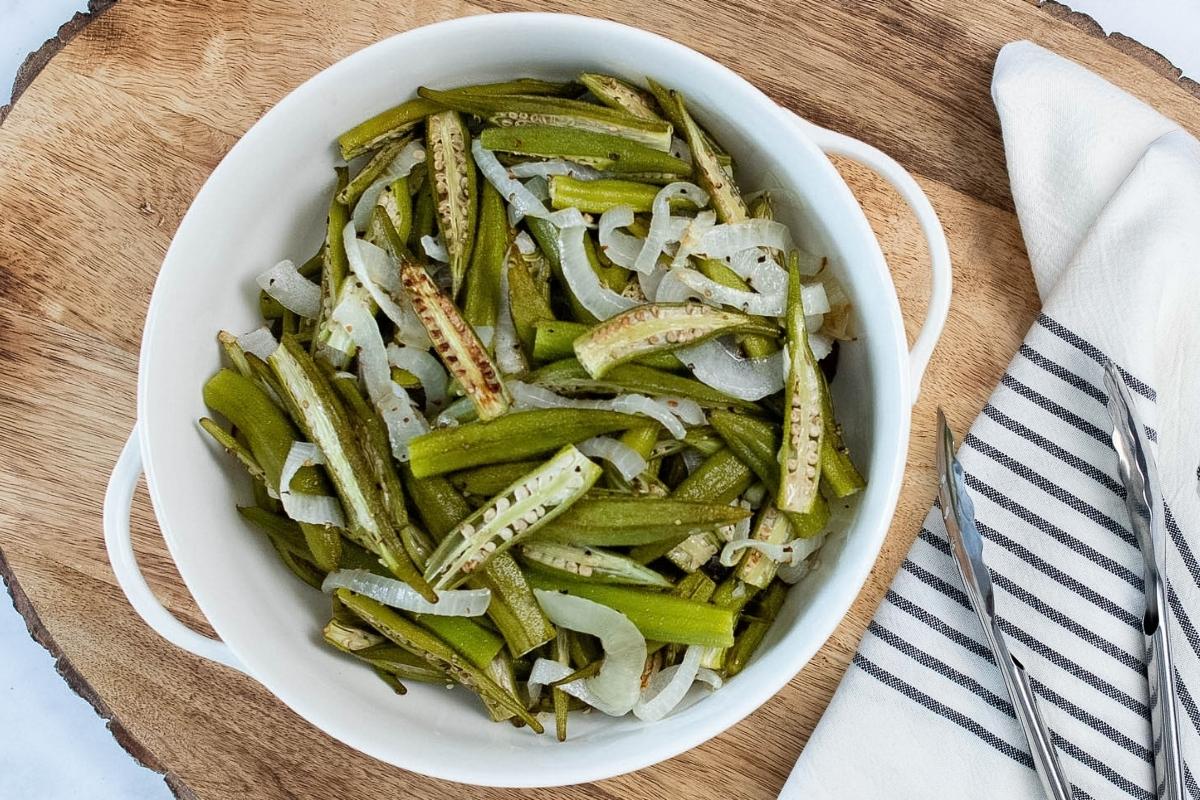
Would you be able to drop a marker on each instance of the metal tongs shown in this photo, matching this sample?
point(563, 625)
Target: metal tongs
point(966, 544)
point(1143, 497)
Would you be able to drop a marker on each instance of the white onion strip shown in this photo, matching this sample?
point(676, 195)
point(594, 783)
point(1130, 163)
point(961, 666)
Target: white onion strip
point(317, 509)
point(528, 396)
point(713, 293)
point(583, 281)
point(789, 554)
point(522, 202)
point(426, 368)
point(627, 461)
point(510, 359)
point(617, 687)
point(733, 237)
point(404, 422)
point(668, 687)
point(401, 166)
point(292, 290)
point(260, 341)
point(661, 229)
point(380, 276)
point(621, 248)
point(435, 248)
point(398, 594)
point(553, 166)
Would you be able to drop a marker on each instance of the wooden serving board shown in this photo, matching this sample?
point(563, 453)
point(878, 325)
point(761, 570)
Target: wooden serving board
point(103, 153)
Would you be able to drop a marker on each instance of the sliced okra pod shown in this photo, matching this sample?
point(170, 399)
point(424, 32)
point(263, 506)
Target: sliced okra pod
point(660, 616)
point(514, 436)
point(714, 177)
point(554, 340)
point(328, 426)
point(620, 521)
point(527, 302)
point(600, 195)
point(395, 123)
point(590, 563)
point(349, 194)
point(420, 642)
point(455, 342)
point(616, 93)
point(838, 472)
point(524, 111)
point(772, 527)
point(752, 635)
point(614, 153)
point(487, 480)
point(452, 176)
point(481, 290)
point(657, 327)
point(803, 415)
point(717, 270)
point(511, 516)
point(569, 377)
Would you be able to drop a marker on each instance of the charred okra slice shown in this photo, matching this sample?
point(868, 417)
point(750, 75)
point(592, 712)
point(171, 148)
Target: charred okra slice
point(712, 176)
point(452, 176)
point(511, 516)
point(507, 111)
point(455, 342)
point(657, 327)
point(599, 150)
point(514, 436)
point(325, 421)
point(420, 642)
point(803, 415)
point(616, 93)
point(555, 339)
point(590, 563)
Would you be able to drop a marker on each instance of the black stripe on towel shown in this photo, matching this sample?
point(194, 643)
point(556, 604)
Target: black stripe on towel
point(1094, 353)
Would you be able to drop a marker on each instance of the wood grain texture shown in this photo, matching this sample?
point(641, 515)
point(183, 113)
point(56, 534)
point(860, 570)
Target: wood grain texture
point(105, 151)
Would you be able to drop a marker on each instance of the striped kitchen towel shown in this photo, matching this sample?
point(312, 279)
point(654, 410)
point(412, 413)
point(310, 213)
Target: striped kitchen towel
point(1108, 196)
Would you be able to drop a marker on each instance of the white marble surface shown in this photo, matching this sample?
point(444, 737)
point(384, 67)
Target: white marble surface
point(52, 744)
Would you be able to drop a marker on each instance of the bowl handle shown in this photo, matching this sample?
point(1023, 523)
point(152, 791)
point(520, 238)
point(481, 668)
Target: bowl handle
point(833, 143)
point(117, 539)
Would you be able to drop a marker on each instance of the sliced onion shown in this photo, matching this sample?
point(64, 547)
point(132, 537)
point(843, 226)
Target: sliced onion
point(616, 688)
point(398, 594)
point(528, 396)
point(292, 290)
point(380, 276)
point(485, 333)
point(402, 165)
point(709, 676)
point(788, 554)
point(755, 495)
point(317, 509)
point(435, 248)
point(820, 345)
point(668, 687)
point(510, 359)
point(660, 221)
point(525, 244)
point(404, 422)
point(680, 149)
point(733, 237)
point(713, 293)
point(522, 201)
point(761, 270)
point(260, 341)
point(715, 365)
point(624, 458)
point(687, 409)
point(815, 301)
point(583, 281)
point(650, 281)
point(425, 368)
point(692, 459)
point(553, 166)
point(693, 232)
point(620, 248)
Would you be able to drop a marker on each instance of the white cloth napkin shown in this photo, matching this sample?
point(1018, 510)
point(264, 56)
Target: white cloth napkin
point(1108, 196)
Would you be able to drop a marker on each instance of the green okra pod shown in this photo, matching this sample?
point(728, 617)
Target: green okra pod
point(600, 150)
point(455, 193)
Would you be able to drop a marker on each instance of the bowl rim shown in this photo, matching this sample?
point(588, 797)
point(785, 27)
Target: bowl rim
point(723, 715)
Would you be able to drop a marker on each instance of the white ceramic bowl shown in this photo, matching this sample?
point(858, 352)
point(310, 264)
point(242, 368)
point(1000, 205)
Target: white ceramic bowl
point(266, 200)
